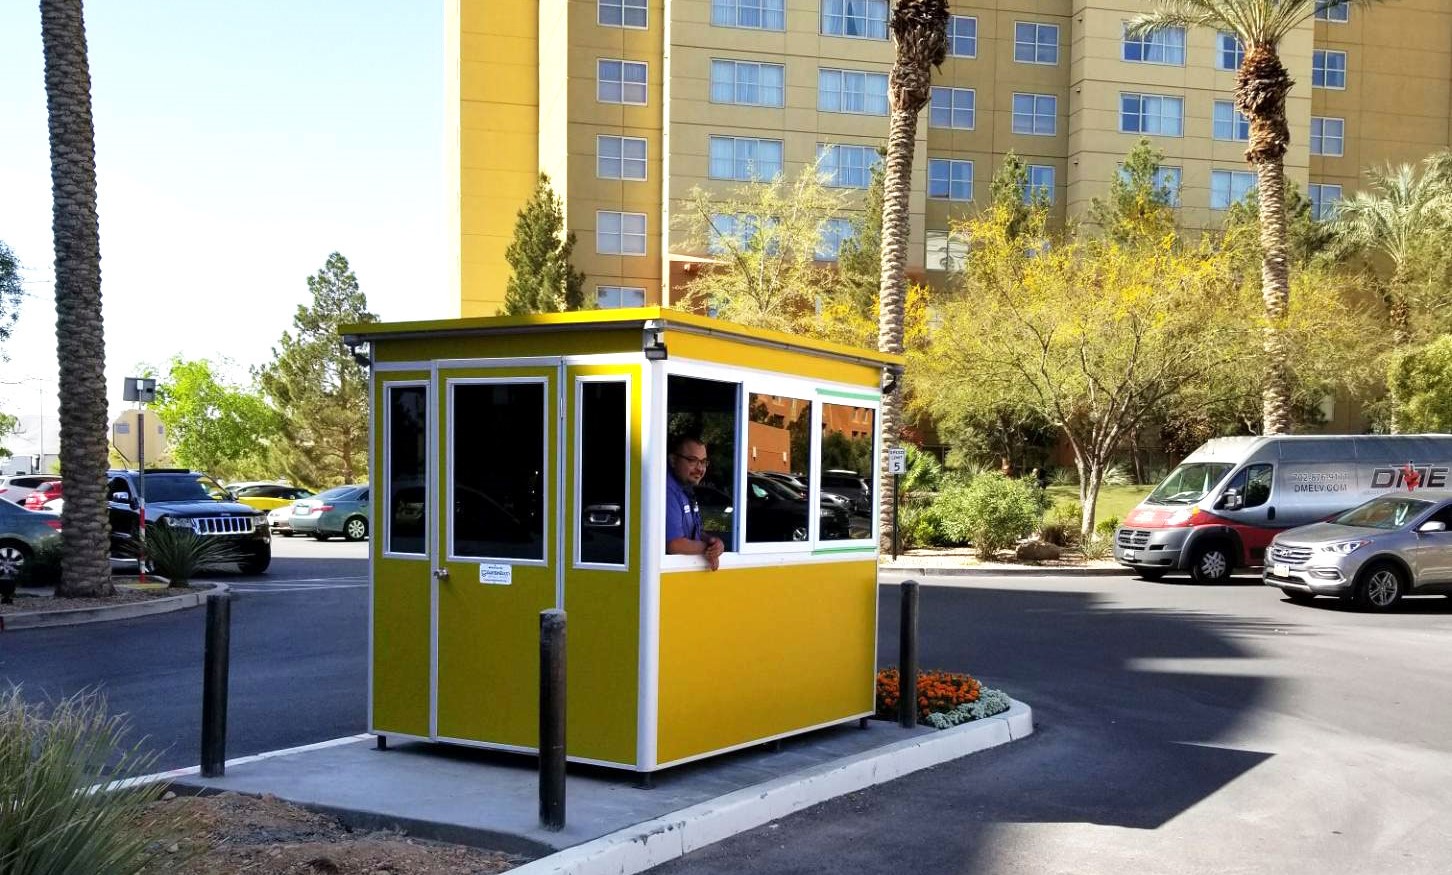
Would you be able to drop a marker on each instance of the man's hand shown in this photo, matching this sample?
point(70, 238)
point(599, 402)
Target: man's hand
point(714, 548)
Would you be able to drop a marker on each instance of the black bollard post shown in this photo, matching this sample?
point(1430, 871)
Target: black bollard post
point(214, 686)
point(552, 719)
point(907, 681)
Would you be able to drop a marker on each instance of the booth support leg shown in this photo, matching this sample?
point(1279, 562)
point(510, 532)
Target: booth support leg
point(383, 742)
point(645, 780)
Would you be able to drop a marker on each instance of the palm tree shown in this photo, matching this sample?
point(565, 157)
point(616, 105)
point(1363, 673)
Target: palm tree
point(1406, 219)
point(1261, 86)
point(80, 339)
point(920, 30)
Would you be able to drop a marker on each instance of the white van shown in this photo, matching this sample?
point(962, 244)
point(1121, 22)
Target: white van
point(1221, 507)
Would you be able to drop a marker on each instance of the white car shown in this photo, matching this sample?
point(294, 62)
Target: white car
point(280, 520)
point(15, 487)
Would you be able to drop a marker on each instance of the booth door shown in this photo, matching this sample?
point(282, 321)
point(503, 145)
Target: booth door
point(497, 549)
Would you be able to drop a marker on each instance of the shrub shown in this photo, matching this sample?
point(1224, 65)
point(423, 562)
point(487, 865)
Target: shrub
point(1096, 549)
point(1117, 475)
point(918, 527)
point(996, 513)
point(53, 823)
point(178, 553)
point(1105, 528)
point(1061, 523)
point(1064, 477)
point(948, 516)
point(938, 691)
point(924, 473)
point(1057, 534)
point(990, 702)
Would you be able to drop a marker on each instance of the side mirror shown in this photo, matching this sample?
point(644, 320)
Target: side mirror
point(1431, 526)
point(121, 496)
point(1232, 500)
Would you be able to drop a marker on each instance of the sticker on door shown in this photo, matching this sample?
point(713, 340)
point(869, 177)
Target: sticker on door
point(496, 574)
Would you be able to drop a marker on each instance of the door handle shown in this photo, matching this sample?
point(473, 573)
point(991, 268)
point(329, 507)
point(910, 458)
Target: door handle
point(441, 573)
point(1270, 513)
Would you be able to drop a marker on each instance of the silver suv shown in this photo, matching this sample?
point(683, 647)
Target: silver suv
point(1375, 553)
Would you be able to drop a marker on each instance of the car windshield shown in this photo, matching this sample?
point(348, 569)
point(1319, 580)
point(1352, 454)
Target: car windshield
point(184, 487)
point(778, 488)
point(1188, 483)
point(1387, 512)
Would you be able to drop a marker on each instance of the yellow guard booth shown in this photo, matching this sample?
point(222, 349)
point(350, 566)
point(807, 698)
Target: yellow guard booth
point(520, 464)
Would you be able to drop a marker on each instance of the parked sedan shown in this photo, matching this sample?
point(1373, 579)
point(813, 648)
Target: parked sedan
point(15, 487)
point(268, 496)
point(342, 510)
point(43, 494)
point(25, 536)
point(280, 520)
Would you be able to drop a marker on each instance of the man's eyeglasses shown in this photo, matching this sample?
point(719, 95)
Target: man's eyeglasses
point(694, 460)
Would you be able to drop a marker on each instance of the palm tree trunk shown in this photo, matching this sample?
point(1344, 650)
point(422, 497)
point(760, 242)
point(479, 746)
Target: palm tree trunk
point(892, 293)
point(1261, 86)
point(80, 338)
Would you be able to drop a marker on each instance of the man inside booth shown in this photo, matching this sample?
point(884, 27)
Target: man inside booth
point(684, 532)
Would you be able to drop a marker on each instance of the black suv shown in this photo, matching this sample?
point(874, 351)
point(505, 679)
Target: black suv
point(178, 497)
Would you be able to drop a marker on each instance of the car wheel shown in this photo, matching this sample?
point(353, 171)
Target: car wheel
point(1150, 574)
point(1380, 587)
point(1298, 596)
point(256, 563)
point(14, 560)
point(1212, 564)
point(355, 529)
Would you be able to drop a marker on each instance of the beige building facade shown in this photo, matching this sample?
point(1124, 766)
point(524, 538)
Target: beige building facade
point(628, 105)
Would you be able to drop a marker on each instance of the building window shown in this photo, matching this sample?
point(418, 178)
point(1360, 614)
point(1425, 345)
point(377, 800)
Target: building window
point(744, 158)
point(620, 157)
point(1229, 187)
point(952, 108)
point(1166, 182)
point(1039, 186)
point(944, 251)
point(1328, 136)
point(759, 14)
point(846, 166)
point(622, 13)
point(852, 91)
point(619, 233)
point(834, 233)
point(1152, 114)
point(1333, 10)
point(1230, 123)
point(860, 18)
point(1035, 43)
point(1229, 51)
point(1325, 200)
point(1328, 69)
point(963, 36)
point(950, 179)
point(1035, 114)
point(1163, 46)
point(737, 232)
point(620, 82)
point(747, 82)
point(615, 297)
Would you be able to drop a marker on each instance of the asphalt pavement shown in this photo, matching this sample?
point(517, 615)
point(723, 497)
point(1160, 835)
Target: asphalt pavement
point(1179, 729)
point(299, 666)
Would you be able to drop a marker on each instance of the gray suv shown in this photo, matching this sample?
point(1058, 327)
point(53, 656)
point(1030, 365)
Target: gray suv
point(1392, 546)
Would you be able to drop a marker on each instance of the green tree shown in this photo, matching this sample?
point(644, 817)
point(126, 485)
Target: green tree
point(10, 292)
point(766, 237)
point(1261, 86)
point(541, 278)
point(80, 329)
point(1402, 222)
point(319, 392)
point(1140, 204)
point(8, 426)
point(212, 425)
point(1006, 194)
point(859, 261)
point(920, 41)
point(1308, 240)
point(1420, 381)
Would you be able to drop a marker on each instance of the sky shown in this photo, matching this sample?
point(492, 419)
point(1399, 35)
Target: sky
point(237, 145)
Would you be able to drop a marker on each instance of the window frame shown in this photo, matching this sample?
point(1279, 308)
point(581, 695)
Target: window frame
point(842, 73)
point(1030, 187)
point(1233, 174)
point(600, 287)
point(1324, 13)
point(429, 548)
point(1322, 138)
point(1014, 114)
point(1238, 120)
point(948, 242)
point(623, 62)
point(645, 234)
point(835, 151)
point(1325, 71)
point(644, 161)
point(950, 164)
point(1237, 51)
point(952, 91)
point(736, 64)
point(952, 37)
point(735, 6)
point(1141, 96)
point(867, 19)
point(1147, 42)
point(821, 254)
point(578, 527)
point(546, 475)
point(753, 165)
point(1316, 193)
point(642, 5)
point(1037, 43)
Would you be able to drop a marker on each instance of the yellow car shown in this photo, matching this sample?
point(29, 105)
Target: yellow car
point(268, 496)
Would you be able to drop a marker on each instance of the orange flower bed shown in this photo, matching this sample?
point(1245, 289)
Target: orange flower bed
point(938, 691)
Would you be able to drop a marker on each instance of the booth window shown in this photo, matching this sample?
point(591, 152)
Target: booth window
point(847, 462)
point(602, 436)
point(407, 504)
point(497, 449)
point(778, 464)
point(707, 409)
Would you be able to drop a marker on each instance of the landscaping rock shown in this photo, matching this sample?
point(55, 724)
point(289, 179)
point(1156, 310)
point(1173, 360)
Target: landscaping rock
point(1037, 551)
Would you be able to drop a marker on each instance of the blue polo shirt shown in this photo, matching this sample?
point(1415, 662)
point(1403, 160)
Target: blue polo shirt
point(683, 512)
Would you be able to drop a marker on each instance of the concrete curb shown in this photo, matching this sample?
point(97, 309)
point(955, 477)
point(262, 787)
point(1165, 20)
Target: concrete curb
point(1030, 571)
point(653, 842)
point(80, 616)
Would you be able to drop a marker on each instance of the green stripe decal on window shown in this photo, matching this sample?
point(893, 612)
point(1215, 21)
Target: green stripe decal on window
point(825, 550)
point(860, 397)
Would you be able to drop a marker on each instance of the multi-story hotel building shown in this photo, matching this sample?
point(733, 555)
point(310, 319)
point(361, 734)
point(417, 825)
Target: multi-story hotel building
point(630, 104)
